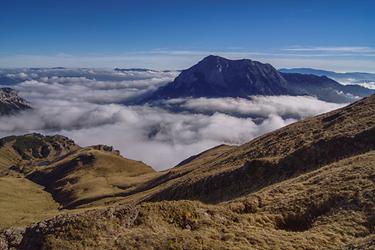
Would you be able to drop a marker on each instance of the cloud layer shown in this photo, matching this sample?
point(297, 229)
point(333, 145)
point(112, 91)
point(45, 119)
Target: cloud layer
point(337, 49)
point(87, 105)
point(296, 107)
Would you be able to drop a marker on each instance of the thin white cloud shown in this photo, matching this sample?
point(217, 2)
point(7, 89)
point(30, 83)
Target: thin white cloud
point(337, 49)
point(182, 59)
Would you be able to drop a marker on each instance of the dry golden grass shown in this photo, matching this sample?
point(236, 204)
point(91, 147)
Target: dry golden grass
point(8, 158)
point(329, 208)
point(103, 175)
point(23, 202)
point(90, 174)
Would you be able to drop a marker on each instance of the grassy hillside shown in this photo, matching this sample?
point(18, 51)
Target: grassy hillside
point(66, 173)
point(23, 202)
point(330, 208)
point(88, 175)
point(310, 185)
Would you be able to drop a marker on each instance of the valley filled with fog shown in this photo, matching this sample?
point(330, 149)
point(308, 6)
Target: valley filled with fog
point(92, 106)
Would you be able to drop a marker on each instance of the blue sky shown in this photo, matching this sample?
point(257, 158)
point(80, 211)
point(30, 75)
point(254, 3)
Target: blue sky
point(328, 34)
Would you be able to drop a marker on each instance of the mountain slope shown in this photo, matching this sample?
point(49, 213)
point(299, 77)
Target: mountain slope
point(330, 208)
point(88, 174)
point(216, 76)
point(10, 102)
point(23, 202)
point(67, 174)
point(67, 171)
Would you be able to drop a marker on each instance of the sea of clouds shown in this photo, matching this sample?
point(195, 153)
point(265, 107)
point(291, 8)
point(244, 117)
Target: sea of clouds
point(91, 107)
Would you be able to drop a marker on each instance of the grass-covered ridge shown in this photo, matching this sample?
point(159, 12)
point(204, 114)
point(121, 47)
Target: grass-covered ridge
point(309, 185)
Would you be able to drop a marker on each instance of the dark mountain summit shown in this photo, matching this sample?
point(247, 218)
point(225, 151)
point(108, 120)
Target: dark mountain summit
point(216, 76)
point(10, 102)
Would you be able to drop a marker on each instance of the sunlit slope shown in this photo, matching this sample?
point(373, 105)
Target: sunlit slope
point(89, 174)
point(66, 173)
point(23, 202)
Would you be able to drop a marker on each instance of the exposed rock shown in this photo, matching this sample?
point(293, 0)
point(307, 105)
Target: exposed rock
point(11, 238)
point(10, 102)
point(105, 148)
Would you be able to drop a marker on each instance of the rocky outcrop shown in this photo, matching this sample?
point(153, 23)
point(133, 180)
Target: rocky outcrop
point(33, 236)
point(35, 149)
point(11, 102)
point(105, 148)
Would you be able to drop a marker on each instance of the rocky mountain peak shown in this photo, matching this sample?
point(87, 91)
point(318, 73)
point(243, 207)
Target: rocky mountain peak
point(215, 76)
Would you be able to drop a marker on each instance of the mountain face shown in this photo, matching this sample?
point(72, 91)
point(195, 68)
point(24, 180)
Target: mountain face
point(216, 76)
point(10, 102)
point(309, 185)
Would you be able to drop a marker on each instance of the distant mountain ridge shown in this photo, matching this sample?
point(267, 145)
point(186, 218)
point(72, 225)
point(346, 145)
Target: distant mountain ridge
point(320, 72)
point(324, 88)
point(363, 79)
point(11, 102)
point(133, 69)
point(216, 76)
